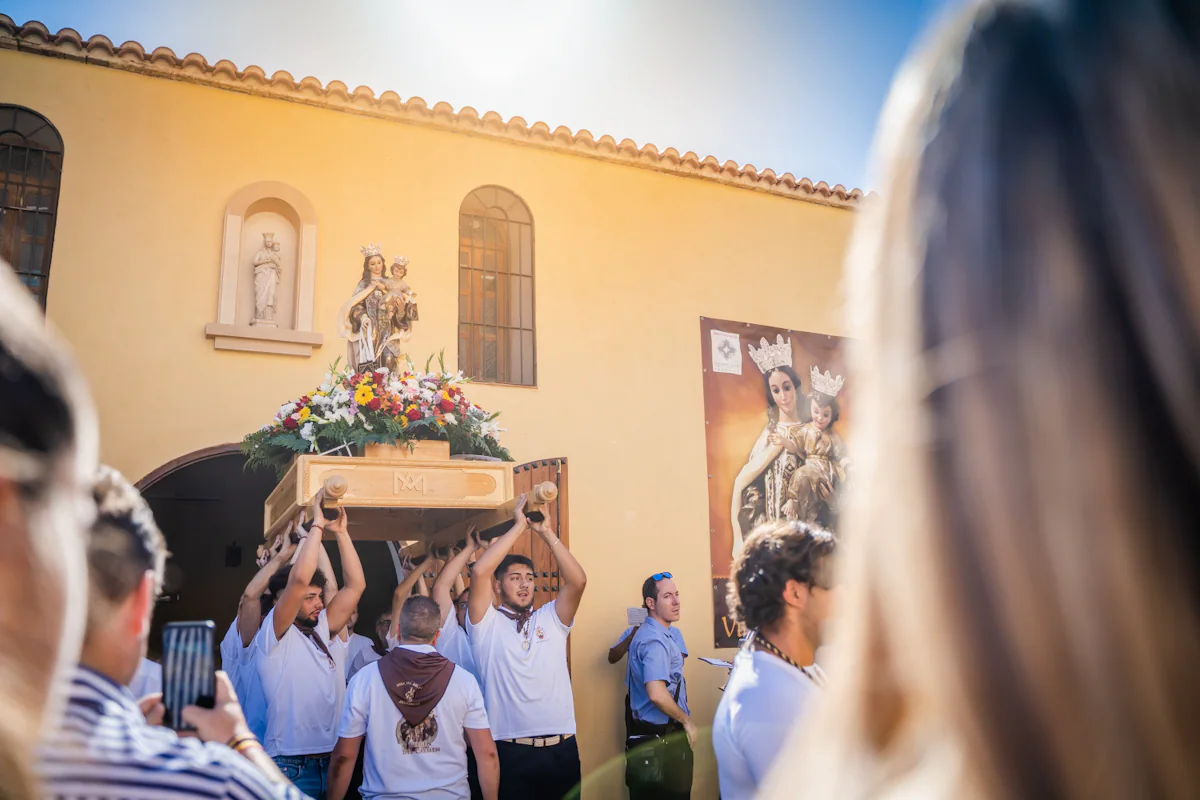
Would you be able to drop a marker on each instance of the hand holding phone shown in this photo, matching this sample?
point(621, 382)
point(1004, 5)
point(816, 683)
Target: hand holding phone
point(224, 721)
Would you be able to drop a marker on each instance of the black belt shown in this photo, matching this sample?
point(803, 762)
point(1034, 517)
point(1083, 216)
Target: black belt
point(639, 727)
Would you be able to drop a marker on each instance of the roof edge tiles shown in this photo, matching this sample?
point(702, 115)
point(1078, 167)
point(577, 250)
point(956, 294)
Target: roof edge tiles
point(34, 37)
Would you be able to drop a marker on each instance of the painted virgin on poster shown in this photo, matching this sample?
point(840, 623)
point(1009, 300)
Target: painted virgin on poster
point(776, 410)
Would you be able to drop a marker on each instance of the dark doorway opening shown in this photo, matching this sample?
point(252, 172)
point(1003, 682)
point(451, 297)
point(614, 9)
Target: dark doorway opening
point(210, 510)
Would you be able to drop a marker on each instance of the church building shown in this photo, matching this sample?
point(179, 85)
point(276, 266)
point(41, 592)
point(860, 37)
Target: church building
point(195, 228)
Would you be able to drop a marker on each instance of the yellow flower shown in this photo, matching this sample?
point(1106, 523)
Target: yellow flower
point(304, 413)
point(364, 395)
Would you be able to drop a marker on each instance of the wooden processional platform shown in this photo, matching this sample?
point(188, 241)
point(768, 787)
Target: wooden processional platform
point(425, 501)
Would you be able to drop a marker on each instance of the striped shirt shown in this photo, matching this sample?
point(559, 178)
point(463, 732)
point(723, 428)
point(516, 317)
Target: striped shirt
point(104, 750)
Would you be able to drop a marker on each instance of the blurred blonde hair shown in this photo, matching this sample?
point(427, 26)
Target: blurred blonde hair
point(1020, 611)
point(48, 448)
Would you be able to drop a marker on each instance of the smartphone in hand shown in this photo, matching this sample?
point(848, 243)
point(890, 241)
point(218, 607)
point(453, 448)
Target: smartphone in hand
point(189, 669)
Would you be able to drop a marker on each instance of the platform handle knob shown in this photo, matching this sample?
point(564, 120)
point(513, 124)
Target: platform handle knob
point(335, 487)
point(544, 493)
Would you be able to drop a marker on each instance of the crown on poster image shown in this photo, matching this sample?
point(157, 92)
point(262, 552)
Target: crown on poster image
point(825, 384)
point(771, 356)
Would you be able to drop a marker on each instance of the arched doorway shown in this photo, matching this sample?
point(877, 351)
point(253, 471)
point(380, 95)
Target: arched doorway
point(210, 509)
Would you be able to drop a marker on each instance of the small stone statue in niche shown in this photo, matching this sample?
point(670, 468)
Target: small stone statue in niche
point(377, 320)
point(267, 272)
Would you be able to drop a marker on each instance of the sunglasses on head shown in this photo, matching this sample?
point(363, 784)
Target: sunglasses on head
point(658, 576)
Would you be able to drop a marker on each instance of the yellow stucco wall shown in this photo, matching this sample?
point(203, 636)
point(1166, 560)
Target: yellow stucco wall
point(627, 260)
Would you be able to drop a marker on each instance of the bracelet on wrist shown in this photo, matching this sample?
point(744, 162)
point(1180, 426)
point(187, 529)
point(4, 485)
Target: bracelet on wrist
point(240, 739)
point(251, 744)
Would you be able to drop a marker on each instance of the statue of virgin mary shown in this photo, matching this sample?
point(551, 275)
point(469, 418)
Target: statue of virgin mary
point(364, 320)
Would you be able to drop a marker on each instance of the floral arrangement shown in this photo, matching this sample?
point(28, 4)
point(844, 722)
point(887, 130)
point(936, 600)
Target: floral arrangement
point(349, 410)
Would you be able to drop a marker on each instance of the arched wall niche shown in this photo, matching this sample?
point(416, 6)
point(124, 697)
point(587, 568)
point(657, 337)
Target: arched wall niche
point(283, 212)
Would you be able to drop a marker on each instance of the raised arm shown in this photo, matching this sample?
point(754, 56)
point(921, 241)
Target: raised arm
point(483, 572)
point(249, 615)
point(330, 590)
point(305, 565)
point(354, 583)
point(574, 579)
point(446, 578)
point(618, 650)
point(422, 585)
point(402, 592)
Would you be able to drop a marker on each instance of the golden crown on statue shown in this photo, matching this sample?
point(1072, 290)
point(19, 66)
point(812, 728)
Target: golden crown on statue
point(371, 250)
point(825, 384)
point(771, 356)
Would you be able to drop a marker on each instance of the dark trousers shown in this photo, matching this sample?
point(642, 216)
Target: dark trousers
point(538, 773)
point(658, 763)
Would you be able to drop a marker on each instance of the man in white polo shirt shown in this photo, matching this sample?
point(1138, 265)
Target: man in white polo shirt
point(781, 589)
point(303, 679)
point(522, 659)
point(414, 707)
point(237, 655)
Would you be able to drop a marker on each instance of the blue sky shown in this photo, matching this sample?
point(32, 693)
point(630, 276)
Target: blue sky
point(794, 85)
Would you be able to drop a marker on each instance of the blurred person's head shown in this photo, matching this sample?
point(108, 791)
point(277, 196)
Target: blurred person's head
point(126, 554)
point(660, 597)
point(48, 444)
point(782, 581)
point(420, 621)
point(383, 624)
point(1021, 616)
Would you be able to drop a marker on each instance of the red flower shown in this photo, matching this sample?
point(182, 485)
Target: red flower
point(356, 378)
point(413, 414)
point(446, 405)
point(375, 404)
point(291, 424)
point(397, 409)
point(378, 378)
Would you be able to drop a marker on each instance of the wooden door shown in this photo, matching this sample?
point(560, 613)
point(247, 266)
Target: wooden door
point(525, 477)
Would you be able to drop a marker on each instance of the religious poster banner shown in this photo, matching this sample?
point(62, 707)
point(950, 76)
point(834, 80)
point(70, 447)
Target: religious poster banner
point(776, 412)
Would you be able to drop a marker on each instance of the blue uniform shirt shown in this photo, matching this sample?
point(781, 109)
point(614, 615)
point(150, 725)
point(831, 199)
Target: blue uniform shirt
point(655, 654)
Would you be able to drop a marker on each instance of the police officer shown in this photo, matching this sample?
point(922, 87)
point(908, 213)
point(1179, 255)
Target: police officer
point(661, 733)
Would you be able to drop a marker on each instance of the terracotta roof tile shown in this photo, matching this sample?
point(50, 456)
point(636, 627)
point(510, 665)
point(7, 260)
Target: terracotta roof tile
point(34, 37)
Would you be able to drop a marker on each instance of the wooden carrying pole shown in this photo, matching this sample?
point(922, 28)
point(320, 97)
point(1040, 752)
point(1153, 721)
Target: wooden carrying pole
point(491, 521)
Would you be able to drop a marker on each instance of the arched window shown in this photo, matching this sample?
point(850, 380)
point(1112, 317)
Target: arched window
point(496, 342)
point(31, 157)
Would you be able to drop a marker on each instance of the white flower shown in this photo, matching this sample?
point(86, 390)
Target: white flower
point(307, 432)
point(286, 410)
point(450, 420)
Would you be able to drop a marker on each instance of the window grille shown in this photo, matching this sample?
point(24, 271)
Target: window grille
point(496, 337)
point(31, 157)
